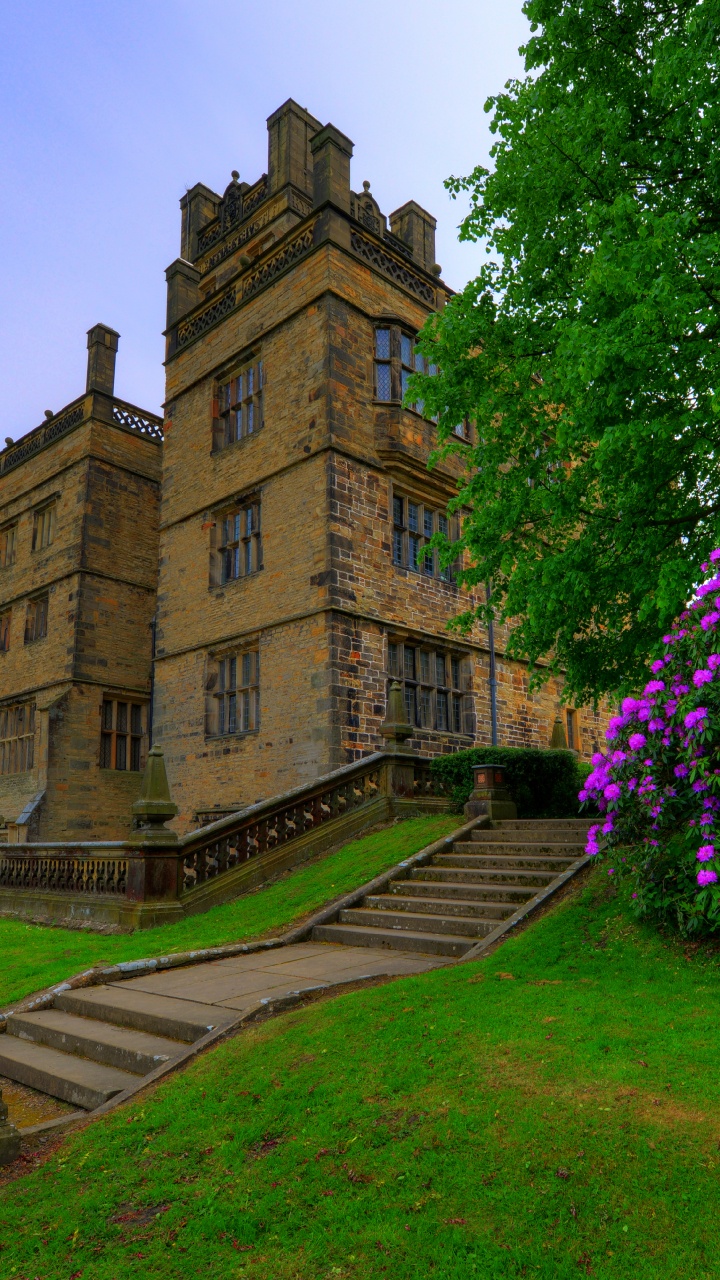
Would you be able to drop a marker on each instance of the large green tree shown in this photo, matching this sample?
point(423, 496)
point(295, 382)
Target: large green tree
point(586, 351)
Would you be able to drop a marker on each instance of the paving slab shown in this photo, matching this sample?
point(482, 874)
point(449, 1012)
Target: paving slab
point(242, 981)
point(206, 988)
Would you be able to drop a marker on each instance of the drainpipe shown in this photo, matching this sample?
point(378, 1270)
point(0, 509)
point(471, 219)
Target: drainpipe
point(493, 679)
point(153, 630)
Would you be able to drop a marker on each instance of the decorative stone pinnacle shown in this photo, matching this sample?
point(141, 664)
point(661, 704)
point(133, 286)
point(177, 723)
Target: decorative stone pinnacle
point(558, 740)
point(395, 728)
point(366, 187)
point(234, 175)
point(155, 805)
point(9, 1136)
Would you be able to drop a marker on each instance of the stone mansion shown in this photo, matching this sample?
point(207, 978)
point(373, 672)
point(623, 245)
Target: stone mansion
point(240, 580)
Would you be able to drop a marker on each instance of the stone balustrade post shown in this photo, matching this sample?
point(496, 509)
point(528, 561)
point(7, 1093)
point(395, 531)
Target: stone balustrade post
point(153, 876)
point(490, 797)
point(9, 1136)
point(396, 729)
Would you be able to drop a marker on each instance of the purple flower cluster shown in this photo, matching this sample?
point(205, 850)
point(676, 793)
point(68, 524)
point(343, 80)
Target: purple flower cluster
point(660, 774)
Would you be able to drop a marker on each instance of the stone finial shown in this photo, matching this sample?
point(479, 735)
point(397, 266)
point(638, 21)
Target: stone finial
point(155, 805)
point(558, 740)
point(396, 728)
point(9, 1136)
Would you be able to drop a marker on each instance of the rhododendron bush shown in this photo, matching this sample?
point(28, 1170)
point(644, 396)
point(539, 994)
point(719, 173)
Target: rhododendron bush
point(657, 786)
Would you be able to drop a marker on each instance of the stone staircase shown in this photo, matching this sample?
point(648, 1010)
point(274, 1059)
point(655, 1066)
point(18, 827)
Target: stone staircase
point(95, 1043)
point(445, 907)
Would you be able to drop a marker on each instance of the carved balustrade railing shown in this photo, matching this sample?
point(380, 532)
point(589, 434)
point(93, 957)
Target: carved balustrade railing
point(266, 826)
point(57, 868)
point(80, 411)
point(425, 784)
point(139, 872)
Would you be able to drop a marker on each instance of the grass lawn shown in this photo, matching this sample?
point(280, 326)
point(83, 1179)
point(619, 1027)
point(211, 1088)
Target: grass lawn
point(34, 956)
point(556, 1123)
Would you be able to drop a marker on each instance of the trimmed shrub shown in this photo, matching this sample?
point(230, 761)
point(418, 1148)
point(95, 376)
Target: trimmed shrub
point(543, 784)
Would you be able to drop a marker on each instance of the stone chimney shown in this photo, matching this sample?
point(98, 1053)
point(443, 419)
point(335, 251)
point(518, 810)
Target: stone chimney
point(331, 152)
point(416, 227)
point(290, 129)
point(102, 349)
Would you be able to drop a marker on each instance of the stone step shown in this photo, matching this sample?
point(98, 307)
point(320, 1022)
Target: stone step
point(564, 850)
point(438, 906)
point(354, 935)
point(158, 1015)
point(531, 834)
point(529, 861)
point(63, 1075)
point(484, 895)
point(417, 922)
point(469, 875)
point(120, 1047)
point(539, 824)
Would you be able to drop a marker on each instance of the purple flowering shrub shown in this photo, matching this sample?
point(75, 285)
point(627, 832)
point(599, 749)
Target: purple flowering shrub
point(657, 786)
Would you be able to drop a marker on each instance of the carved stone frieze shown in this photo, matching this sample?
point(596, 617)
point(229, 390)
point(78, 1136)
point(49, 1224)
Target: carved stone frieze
point(390, 267)
point(42, 436)
point(278, 262)
point(234, 207)
point(263, 274)
point(294, 201)
point(199, 323)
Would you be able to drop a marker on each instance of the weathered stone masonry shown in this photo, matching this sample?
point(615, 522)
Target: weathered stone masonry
point(303, 281)
point(262, 538)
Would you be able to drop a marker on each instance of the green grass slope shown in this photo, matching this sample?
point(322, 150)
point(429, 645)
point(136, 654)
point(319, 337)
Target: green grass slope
point(35, 956)
point(459, 1124)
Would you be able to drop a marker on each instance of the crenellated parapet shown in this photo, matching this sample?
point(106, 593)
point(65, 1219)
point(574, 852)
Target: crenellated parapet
point(233, 243)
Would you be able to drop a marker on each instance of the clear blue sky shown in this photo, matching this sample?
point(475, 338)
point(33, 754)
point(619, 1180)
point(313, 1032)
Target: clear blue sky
point(110, 111)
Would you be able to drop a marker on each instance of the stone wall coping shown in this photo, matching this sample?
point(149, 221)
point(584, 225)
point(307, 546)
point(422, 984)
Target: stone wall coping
point(68, 846)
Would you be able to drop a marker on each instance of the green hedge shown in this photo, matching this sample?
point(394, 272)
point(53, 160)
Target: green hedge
point(543, 784)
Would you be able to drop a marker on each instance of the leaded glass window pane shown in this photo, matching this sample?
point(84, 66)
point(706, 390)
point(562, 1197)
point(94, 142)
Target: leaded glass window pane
point(382, 344)
point(383, 382)
point(235, 702)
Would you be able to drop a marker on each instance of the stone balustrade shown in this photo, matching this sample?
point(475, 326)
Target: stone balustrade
point(155, 877)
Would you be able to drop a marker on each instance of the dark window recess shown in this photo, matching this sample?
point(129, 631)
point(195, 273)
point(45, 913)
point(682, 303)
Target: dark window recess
point(436, 687)
point(240, 546)
point(240, 406)
point(413, 526)
point(36, 619)
point(8, 545)
point(5, 631)
point(236, 699)
point(17, 738)
point(396, 360)
point(44, 527)
point(122, 738)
